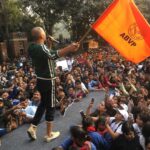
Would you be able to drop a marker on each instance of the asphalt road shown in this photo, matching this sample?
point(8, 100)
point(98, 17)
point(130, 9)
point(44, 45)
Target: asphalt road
point(18, 139)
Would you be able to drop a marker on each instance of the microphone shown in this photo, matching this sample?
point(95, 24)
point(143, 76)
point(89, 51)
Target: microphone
point(53, 39)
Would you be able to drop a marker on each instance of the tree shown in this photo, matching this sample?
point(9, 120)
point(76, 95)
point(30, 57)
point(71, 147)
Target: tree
point(77, 14)
point(10, 15)
point(82, 14)
point(50, 11)
point(144, 7)
point(14, 17)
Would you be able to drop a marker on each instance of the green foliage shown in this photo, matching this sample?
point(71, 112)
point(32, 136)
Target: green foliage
point(14, 17)
point(82, 14)
point(22, 15)
point(10, 13)
point(50, 11)
point(77, 14)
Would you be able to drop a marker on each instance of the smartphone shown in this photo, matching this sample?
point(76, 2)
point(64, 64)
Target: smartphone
point(92, 100)
point(82, 114)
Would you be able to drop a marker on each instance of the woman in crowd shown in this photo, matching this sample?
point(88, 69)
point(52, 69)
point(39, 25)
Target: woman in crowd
point(79, 140)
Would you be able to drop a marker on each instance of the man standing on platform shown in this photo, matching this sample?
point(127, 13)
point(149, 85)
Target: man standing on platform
point(43, 61)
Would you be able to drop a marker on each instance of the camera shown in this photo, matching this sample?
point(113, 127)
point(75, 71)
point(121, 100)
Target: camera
point(12, 77)
point(82, 114)
point(92, 100)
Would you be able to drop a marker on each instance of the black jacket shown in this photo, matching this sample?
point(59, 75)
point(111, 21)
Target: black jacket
point(121, 143)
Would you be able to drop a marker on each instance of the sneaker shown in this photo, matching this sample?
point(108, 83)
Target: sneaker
point(32, 132)
point(53, 136)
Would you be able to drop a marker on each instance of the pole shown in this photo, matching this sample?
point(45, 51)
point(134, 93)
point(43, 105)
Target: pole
point(85, 35)
point(81, 40)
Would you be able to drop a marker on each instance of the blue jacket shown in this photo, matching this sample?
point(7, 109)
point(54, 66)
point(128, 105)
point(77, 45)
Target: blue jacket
point(98, 141)
point(68, 142)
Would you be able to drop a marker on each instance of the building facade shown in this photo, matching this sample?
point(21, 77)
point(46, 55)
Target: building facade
point(17, 45)
point(3, 52)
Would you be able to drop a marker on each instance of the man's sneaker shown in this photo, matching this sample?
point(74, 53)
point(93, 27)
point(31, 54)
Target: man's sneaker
point(32, 132)
point(53, 136)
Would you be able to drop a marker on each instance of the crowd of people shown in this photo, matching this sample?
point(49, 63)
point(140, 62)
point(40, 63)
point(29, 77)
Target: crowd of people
point(124, 114)
point(18, 96)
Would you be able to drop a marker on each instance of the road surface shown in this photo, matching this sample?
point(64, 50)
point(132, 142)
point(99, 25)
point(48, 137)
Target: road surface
point(18, 139)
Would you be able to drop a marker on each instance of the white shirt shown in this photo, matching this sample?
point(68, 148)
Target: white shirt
point(30, 111)
point(138, 131)
point(83, 87)
point(116, 127)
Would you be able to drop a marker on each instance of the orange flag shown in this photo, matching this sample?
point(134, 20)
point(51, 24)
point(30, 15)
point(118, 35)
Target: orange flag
point(124, 27)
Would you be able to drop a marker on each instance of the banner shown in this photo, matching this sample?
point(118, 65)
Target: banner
point(128, 34)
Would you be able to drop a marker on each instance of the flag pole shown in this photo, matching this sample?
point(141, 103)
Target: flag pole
point(85, 35)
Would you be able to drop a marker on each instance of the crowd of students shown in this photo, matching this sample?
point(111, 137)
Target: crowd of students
point(18, 96)
point(123, 116)
point(122, 119)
